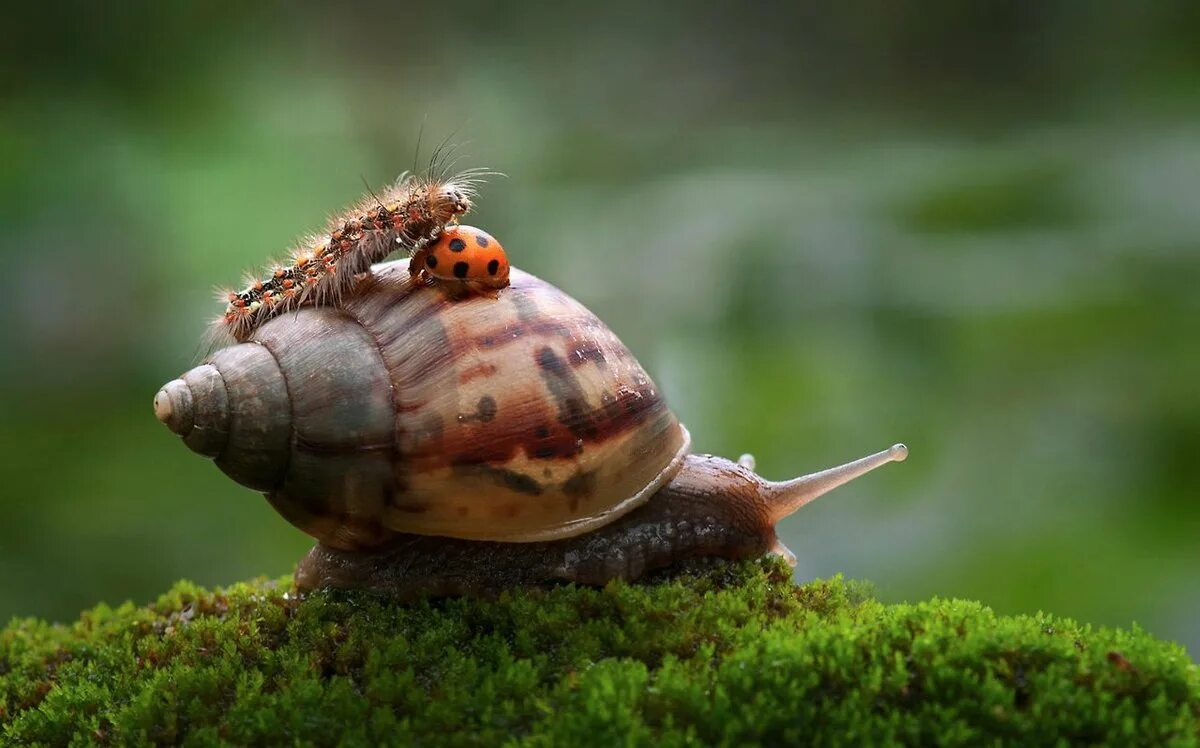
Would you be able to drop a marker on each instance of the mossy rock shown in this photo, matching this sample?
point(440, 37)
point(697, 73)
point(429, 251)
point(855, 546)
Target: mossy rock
point(718, 654)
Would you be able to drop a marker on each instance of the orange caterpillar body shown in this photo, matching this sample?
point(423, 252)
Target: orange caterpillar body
point(407, 215)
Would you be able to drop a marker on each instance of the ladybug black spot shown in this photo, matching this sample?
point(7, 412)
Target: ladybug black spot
point(493, 266)
point(431, 261)
point(481, 240)
point(460, 269)
point(457, 245)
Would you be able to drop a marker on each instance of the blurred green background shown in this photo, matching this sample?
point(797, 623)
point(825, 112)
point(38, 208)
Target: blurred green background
point(973, 227)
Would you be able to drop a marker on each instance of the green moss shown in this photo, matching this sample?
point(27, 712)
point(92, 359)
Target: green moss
point(718, 654)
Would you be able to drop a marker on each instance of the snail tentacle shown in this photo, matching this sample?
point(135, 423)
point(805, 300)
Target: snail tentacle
point(784, 498)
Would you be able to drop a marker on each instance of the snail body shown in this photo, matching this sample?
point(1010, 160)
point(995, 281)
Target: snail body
point(449, 445)
point(712, 508)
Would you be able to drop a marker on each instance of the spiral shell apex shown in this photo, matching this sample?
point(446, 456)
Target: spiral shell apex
point(517, 418)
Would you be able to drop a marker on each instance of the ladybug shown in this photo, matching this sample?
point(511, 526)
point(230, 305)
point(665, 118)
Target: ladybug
point(462, 259)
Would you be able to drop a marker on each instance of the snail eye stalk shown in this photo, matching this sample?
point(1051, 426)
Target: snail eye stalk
point(786, 497)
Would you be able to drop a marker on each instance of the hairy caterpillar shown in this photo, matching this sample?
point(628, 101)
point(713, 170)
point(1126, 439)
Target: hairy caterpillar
point(406, 215)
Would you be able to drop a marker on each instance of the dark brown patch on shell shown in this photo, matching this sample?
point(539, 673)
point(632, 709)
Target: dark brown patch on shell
point(485, 411)
point(585, 351)
point(543, 434)
point(513, 331)
point(486, 408)
point(580, 486)
point(567, 392)
point(526, 308)
point(511, 479)
point(533, 431)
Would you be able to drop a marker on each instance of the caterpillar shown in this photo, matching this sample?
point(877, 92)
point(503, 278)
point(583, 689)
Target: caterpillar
point(406, 215)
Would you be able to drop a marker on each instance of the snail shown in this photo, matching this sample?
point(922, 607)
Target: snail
point(434, 445)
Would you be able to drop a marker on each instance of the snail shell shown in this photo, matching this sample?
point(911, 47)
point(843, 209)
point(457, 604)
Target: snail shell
point(521, 418)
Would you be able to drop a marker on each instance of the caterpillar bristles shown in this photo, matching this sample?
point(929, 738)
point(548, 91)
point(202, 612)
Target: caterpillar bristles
point(322, 268)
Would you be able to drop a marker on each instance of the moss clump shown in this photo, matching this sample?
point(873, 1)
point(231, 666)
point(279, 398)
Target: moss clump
point(718, 654)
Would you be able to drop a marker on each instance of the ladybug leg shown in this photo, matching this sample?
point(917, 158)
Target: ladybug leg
point(454, 289)
point(482, 289)
point(416, 263)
